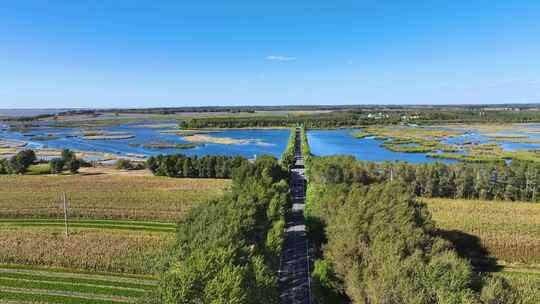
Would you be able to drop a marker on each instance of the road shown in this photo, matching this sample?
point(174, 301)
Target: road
point(294, 278)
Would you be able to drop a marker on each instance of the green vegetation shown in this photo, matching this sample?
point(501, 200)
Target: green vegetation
point(227, 250)
point(45, 137)
point(100, 224)
point(499, 181)
point(171, 146)
point(385, 228)
point(410, 139)
point(39, 169)
point(108, 137)
point(378, 244)
point(287, 158)
point(183, 132)
point(105, 135)
point(20, 162)
point(208, 166)
point(67, 161)
point(525, 285)
point(126, 164)
point(50, 285)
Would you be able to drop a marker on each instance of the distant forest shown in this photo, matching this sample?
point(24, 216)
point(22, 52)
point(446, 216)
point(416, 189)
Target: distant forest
point(327, 116)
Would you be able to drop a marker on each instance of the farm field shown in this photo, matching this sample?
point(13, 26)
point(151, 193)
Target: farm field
point(509, 231)
point(23, 284)
point(145, 198)
point(526, 284)
point(86, 248)
point(119, 228)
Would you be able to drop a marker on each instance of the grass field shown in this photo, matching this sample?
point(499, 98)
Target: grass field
point(146, 198)
point(22, 284)
point(510, 231)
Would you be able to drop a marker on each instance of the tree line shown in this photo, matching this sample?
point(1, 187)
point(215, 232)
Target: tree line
point(227, 250)
point(208, 166)
point(364, 117)
point(517, 180)
point(377, 244)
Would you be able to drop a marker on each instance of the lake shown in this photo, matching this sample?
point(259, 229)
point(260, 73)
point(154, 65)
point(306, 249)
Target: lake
point(259, 142)
point(272, 142)
point(332, 142)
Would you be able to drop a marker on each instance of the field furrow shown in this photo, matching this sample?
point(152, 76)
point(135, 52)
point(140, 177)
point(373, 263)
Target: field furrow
point(48, 296)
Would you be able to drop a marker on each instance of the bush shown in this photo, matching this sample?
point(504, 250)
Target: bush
point(20, 162)
point(323, 287)
point(57, 165)
point(70, 160)
point(496, 290)
point(73, 165)
point(3, 166)
point(124, 164)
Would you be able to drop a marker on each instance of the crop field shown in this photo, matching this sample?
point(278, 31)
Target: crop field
point(510, 231)
point(526, 284)
point(51, 285)
point(144, 198)
point(86, 248)
point(101, 224)
point(119, 228)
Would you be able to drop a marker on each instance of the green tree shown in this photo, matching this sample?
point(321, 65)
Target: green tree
point(20, 162)
point(57, 165)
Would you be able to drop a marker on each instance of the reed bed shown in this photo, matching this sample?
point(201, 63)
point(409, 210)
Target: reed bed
point(105, 196)
point(510, 231)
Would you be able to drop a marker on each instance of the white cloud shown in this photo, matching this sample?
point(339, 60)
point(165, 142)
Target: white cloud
point(280, 58)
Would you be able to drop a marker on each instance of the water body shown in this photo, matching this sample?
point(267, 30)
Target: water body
point(261, 141)
point(333, 142)
point(272, 142)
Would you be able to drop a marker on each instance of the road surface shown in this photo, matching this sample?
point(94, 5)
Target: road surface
point(294, 278)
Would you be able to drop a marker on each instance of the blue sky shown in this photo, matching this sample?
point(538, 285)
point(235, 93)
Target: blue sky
point(179, 53)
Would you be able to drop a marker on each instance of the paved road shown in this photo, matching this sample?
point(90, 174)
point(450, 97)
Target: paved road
point(295, 264)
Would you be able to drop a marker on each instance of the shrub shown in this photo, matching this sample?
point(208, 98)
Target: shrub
point(497, 291)
point(124, 164)
point(73, 165)
point(20, 162)
point(57, 165)
point(70, 160)
point(3, 166)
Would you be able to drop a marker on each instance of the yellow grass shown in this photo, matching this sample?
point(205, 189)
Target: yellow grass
point(411, 132)
point(509, 230)
point(199, 138)
point(89, 249)
point(105, 196)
